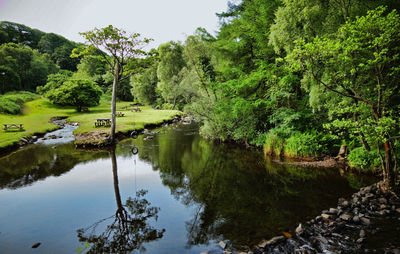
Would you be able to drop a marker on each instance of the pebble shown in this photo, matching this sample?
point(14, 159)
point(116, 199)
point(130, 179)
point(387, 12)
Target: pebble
point(365, 221)
point(222, 244)
point(299, 229)
point(326, 216)
point(346, 216)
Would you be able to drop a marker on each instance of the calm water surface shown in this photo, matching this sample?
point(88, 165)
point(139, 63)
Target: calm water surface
point(179, 194)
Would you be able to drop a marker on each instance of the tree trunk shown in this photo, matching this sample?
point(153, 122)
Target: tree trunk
point(114, 103)
point(388, 171)
point(364, 142)
point(173, 107)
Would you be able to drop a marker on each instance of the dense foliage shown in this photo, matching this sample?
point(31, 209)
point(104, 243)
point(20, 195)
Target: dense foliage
point(301, 77)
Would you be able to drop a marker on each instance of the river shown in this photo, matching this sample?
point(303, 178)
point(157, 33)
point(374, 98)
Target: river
point(179, 194)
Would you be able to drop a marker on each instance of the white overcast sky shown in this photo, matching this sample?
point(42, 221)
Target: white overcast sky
point(161, 20)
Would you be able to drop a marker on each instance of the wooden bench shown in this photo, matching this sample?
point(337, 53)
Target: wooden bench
point(120, 114)
point(102, 122)
point(13, 126)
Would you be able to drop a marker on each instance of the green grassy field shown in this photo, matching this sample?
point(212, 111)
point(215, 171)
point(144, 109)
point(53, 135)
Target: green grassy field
point(37, 115)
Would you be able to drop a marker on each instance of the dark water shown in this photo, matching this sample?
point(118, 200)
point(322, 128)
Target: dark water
point(196, 193)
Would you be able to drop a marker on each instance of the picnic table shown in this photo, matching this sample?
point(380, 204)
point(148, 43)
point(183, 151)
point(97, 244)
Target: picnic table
point(9, 126)
point(102, 122)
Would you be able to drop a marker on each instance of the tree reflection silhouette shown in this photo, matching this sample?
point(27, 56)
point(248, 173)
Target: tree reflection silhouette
point(129, 228)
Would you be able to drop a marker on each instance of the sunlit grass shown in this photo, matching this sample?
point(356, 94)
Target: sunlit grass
point(38, 113)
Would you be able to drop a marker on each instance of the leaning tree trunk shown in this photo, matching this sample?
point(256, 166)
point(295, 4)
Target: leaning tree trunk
point(114, 103)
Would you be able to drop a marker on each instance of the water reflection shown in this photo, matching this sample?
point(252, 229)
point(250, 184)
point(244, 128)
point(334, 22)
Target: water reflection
point(207, 192)
point(36, 162)
point(238, 195)
point(128, 229)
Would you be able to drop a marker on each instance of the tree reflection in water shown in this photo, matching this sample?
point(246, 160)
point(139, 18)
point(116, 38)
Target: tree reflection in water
point(129, 228)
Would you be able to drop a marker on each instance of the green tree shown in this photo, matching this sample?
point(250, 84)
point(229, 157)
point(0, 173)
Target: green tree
point(305, 19)
point(168, 71)
point(144, 86)
point(122, 48)
point(54, 81)
point(31, 67)
point(361, 67)
point(76, 92)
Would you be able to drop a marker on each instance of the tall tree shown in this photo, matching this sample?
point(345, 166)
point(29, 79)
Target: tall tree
point(361, 66)
point(169, 71)
point(120, 48)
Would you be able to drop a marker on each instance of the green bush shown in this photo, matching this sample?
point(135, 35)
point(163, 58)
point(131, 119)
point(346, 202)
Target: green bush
point(362, 159)
point(273, 144)
point(11, 103)
point(303, 145)
point(309, 144)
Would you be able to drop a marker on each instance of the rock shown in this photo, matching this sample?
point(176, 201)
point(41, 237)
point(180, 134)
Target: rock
point(360, 240)
point(322, 239)
point(299, 229)
point(222, 244)
point(287, 234)
point(369, 195)
point(345, 203)
point(346, 217)
point(333, 211)
point(204, 252)
point(271, 241)
point(35, 245)
point(382, 200)
point(398, 210)
point(227, 252)
point(396, 251)
point(365, 221)
point(362, 233)
point(326, 216)
point(356, 219)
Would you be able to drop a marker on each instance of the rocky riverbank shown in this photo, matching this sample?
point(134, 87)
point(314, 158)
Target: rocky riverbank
point(367, 222)
point(342, 229)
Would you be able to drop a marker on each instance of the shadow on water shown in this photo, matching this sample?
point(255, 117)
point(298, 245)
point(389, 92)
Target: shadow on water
point(128, 229)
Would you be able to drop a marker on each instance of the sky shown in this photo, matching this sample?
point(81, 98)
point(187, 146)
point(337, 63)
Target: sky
point(161, 20)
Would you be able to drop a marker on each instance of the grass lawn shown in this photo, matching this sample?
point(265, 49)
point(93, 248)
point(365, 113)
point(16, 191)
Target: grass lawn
point(37, 115)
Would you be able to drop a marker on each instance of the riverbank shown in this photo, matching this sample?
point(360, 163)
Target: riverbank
point(353, 226)
point(98, 138)
point(37, 116)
